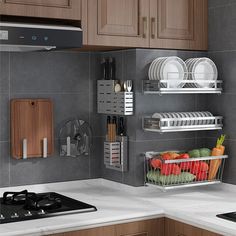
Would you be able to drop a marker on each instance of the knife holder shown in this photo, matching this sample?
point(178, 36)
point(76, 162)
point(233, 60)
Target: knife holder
point(109, 102)
point(116, 154)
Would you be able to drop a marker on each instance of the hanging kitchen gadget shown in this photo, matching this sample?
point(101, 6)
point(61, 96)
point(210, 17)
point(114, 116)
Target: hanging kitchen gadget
point(31, 128)
point(75, 138)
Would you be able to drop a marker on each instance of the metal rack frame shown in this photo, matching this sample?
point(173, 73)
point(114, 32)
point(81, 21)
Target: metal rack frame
point(163, 125)
point(217, 180)
point(160, 87)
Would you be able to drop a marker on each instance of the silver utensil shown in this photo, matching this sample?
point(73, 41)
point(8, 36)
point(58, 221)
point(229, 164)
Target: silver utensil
point(129, 85)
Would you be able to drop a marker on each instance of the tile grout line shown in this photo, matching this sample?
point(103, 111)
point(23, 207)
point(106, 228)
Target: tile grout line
point(9, 129)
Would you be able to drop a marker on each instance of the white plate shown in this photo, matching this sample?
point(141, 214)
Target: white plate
point(204, 69)
point(186, 114)
point(151, 69)
point(173, 68)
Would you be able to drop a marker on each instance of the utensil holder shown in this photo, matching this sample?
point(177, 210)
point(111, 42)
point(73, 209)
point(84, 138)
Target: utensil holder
point(109, 102)
point(116, 154)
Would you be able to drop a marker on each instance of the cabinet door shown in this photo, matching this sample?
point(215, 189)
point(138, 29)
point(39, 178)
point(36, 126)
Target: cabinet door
point(118, 23)
point(179, 24)
point(153, 227)
point(101, 231)
point(175, 228)
point(60, 9)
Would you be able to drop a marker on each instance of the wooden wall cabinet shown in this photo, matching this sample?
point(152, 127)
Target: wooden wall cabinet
point(118, 23)
point(58, 9)
point(178, 24)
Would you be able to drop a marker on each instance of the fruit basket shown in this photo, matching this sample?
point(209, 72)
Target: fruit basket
point(176, 169)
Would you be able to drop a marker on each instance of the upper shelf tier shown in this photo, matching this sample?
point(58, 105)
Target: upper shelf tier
point(164, 87)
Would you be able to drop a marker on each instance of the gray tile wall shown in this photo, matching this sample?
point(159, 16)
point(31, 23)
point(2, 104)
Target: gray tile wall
point(222, 49)
point(65, 77)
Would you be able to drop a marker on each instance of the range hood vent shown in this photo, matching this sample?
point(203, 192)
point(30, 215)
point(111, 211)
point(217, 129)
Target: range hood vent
point(34, 37)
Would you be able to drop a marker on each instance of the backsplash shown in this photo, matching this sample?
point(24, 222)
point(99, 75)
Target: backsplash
point(64, 77)
point(69, 79)
point(222, 50)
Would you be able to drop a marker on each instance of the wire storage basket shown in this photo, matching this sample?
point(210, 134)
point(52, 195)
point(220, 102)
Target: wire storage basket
point(179, 173)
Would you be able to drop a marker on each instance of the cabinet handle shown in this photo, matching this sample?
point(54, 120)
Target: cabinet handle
point(144, 27)
point(153, 27)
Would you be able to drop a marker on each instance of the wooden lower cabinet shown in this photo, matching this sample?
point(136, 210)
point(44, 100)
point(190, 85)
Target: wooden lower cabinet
point(176, 228)
point(153, 227)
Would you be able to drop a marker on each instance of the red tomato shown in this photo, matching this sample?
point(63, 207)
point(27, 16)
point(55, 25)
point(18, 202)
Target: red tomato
point(195, 167)
point(183, 156)
point(203, 166)
point(156, 163)
point(201, 176)
point(166, 169)
point(175, 170)
point(185, 165)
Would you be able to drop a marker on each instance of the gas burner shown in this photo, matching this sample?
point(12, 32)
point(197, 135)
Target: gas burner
point(24, 205)
point(45, 202)
point(16, 198)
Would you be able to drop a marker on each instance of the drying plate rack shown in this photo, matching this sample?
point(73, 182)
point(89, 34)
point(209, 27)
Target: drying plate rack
point(163, 87)
point(164, 125)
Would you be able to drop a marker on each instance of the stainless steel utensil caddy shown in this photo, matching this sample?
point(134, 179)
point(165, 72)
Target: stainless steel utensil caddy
point(109, 102)
point(116, 154)
point(154, 177)
point(163, 125)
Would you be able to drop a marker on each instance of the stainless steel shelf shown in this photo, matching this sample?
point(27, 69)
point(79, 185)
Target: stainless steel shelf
point(160, 87)
point(164, 125)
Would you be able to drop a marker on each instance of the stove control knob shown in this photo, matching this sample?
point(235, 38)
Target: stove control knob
point(15, 215)
point(41, 212)
point(28, 213)
point(2, 217)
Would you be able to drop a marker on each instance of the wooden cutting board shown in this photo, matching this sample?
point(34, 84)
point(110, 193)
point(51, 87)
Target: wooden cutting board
point(31, 119)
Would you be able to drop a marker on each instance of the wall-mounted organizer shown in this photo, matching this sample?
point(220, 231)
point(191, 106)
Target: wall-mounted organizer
point(165, 87)
point(191, 174)
point(75, 138)
point(182, 122)
point(111, 102)
point(31, 128)
point(116, 154)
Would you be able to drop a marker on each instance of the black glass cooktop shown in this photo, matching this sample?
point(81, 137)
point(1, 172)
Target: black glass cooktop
point(24, 205)
point(228, 216)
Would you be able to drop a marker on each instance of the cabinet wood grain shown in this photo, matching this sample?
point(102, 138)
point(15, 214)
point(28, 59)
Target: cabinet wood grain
point(179, 24)
point(31, 119)
point(118, 23)
point(175, 228)
point(59, 9)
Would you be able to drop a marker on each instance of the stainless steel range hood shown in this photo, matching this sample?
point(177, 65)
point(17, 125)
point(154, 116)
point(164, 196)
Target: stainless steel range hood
point(36, 37)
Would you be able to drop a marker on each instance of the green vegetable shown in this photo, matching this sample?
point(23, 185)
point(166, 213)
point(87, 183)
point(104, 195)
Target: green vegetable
point(194, 153)
point(184, 177)
point(205, 152)
point(220, 140)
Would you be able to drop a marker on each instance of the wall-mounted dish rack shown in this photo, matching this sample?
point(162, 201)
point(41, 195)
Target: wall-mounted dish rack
point(109, 102)
point(190, 176)
point(164, 87)
point(163, 125)
point(116, 154)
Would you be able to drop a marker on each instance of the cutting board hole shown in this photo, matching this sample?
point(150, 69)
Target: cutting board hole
point(32, 103)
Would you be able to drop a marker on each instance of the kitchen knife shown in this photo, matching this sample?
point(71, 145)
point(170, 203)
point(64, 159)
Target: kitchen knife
point(121, 127)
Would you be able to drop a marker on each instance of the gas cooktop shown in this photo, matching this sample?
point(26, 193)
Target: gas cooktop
point(228, 216)
point(24, 205)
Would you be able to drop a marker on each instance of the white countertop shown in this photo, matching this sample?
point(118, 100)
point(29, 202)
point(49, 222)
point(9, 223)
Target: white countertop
point(118, 203)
